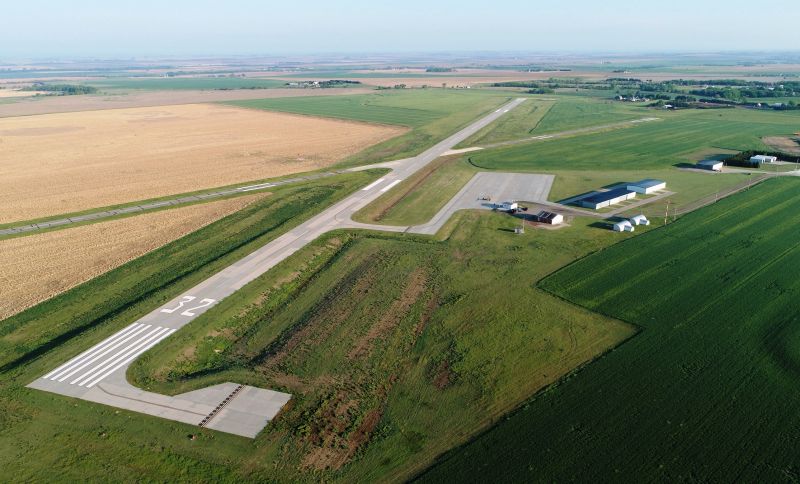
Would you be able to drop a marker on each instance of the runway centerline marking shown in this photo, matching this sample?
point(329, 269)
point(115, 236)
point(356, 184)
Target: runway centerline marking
point(373, 184)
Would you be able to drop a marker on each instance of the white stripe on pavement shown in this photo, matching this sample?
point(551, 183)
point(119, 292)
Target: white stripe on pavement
point(130, 358)
point(120, 355)
point(72, 369)
point(92, 349)
point(389, 186)
point(373, 184)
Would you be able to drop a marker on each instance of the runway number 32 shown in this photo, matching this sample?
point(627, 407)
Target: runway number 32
point(204, 303)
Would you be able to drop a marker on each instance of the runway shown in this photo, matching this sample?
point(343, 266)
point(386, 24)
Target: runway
point(98, 374)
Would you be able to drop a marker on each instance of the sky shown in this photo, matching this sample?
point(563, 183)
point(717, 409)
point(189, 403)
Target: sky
point(122, 28)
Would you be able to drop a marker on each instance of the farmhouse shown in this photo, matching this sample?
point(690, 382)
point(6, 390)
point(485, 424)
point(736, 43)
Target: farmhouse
point(551, 218)
point(763, 159)
point(623, 226)
point(647, 186)
point(604, 199)
point(713, 165)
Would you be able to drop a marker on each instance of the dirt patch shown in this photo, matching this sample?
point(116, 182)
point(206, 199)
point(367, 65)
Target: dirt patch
point(38, 267)
point(415, 285)
point(785, 144)
point(60, 163)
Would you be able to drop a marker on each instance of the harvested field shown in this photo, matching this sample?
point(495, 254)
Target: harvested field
point(68, 162)
point(6, 93)
point(68, 104)
point(38, 267)
point(786, 144)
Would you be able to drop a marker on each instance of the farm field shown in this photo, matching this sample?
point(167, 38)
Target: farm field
point(10, 107)
point(705, 392)
point(431, 114)
point(653, 145)
point(47, 167)
point(41, 266)
point(186, 83)
point(411, 366)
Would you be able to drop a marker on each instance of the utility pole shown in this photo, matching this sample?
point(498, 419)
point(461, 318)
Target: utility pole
point(666, 213)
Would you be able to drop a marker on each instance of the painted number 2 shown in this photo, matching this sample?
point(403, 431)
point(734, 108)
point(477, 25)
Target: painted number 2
point(204, 303)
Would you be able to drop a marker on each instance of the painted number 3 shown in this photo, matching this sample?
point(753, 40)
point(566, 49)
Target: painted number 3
point(204, 303)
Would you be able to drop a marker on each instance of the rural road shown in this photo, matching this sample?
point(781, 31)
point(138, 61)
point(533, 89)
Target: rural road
point(99, 374)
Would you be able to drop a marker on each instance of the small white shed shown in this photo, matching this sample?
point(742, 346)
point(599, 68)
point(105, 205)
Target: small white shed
point(639, 220)
point(623, 226)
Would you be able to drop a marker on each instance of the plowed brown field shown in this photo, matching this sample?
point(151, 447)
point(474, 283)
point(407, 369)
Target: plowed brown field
point(38, 267)
point(66, 162)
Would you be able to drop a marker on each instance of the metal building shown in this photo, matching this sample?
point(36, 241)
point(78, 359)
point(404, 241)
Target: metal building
point(604, 199)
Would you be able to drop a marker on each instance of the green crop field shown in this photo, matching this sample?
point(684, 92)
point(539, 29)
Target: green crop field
point(186, 83)
point(652, 145)
point(708, 389)
point(432, 114)
point(555, 113)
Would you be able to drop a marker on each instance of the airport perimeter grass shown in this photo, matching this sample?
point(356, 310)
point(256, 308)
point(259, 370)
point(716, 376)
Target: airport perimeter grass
point(432, 115)
point(555, 113)
point(417, 199)
point(706, 392)
point(386, 342)
point(652, 145)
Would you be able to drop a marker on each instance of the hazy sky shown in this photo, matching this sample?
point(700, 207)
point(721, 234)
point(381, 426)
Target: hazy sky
point(185, 27)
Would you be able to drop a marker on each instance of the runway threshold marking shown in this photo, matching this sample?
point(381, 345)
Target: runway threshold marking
point(373, 184)
point(389, 186)
point(101, 360)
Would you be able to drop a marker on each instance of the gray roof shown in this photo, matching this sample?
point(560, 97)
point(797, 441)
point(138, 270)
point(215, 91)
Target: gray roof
point(601, 197)
point(646, 183)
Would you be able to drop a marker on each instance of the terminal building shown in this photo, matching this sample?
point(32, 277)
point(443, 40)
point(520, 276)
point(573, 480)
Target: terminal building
point(604, 199)
point(647, 186)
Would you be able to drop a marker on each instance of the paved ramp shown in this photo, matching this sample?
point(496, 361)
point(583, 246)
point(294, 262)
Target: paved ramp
point(501, 187)
point(98, 374)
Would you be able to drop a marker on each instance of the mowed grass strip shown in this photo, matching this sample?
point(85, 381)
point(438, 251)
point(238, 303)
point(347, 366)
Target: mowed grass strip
point(108, 302)
point(706, 391)
point(44, 265)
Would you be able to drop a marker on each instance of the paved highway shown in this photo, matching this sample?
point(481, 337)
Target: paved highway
point(98, 374)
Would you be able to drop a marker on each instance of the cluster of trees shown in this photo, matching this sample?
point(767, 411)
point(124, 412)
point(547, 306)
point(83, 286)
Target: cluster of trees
point(61, 89)
point(439, 69)
point(324, 84)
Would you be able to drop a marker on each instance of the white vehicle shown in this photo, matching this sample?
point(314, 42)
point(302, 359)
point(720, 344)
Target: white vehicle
point(509, 206)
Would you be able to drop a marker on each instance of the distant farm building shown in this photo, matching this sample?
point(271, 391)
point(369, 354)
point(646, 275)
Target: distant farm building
point(763, 159)
point(647, 186)
point(551, 218)
point(623, 226)
point(713, 165)
point(604, 199)
point(639, 220)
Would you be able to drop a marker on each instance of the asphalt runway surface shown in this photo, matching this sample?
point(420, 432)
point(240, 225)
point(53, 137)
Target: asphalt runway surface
point(98, 374)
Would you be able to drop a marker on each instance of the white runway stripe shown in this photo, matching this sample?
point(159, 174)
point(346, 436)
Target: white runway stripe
point(90, 350)
point(141, 341)
point(98, 350)
point(130, 358)
point(104, 351)
point(373, 184)
point(389, 186)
